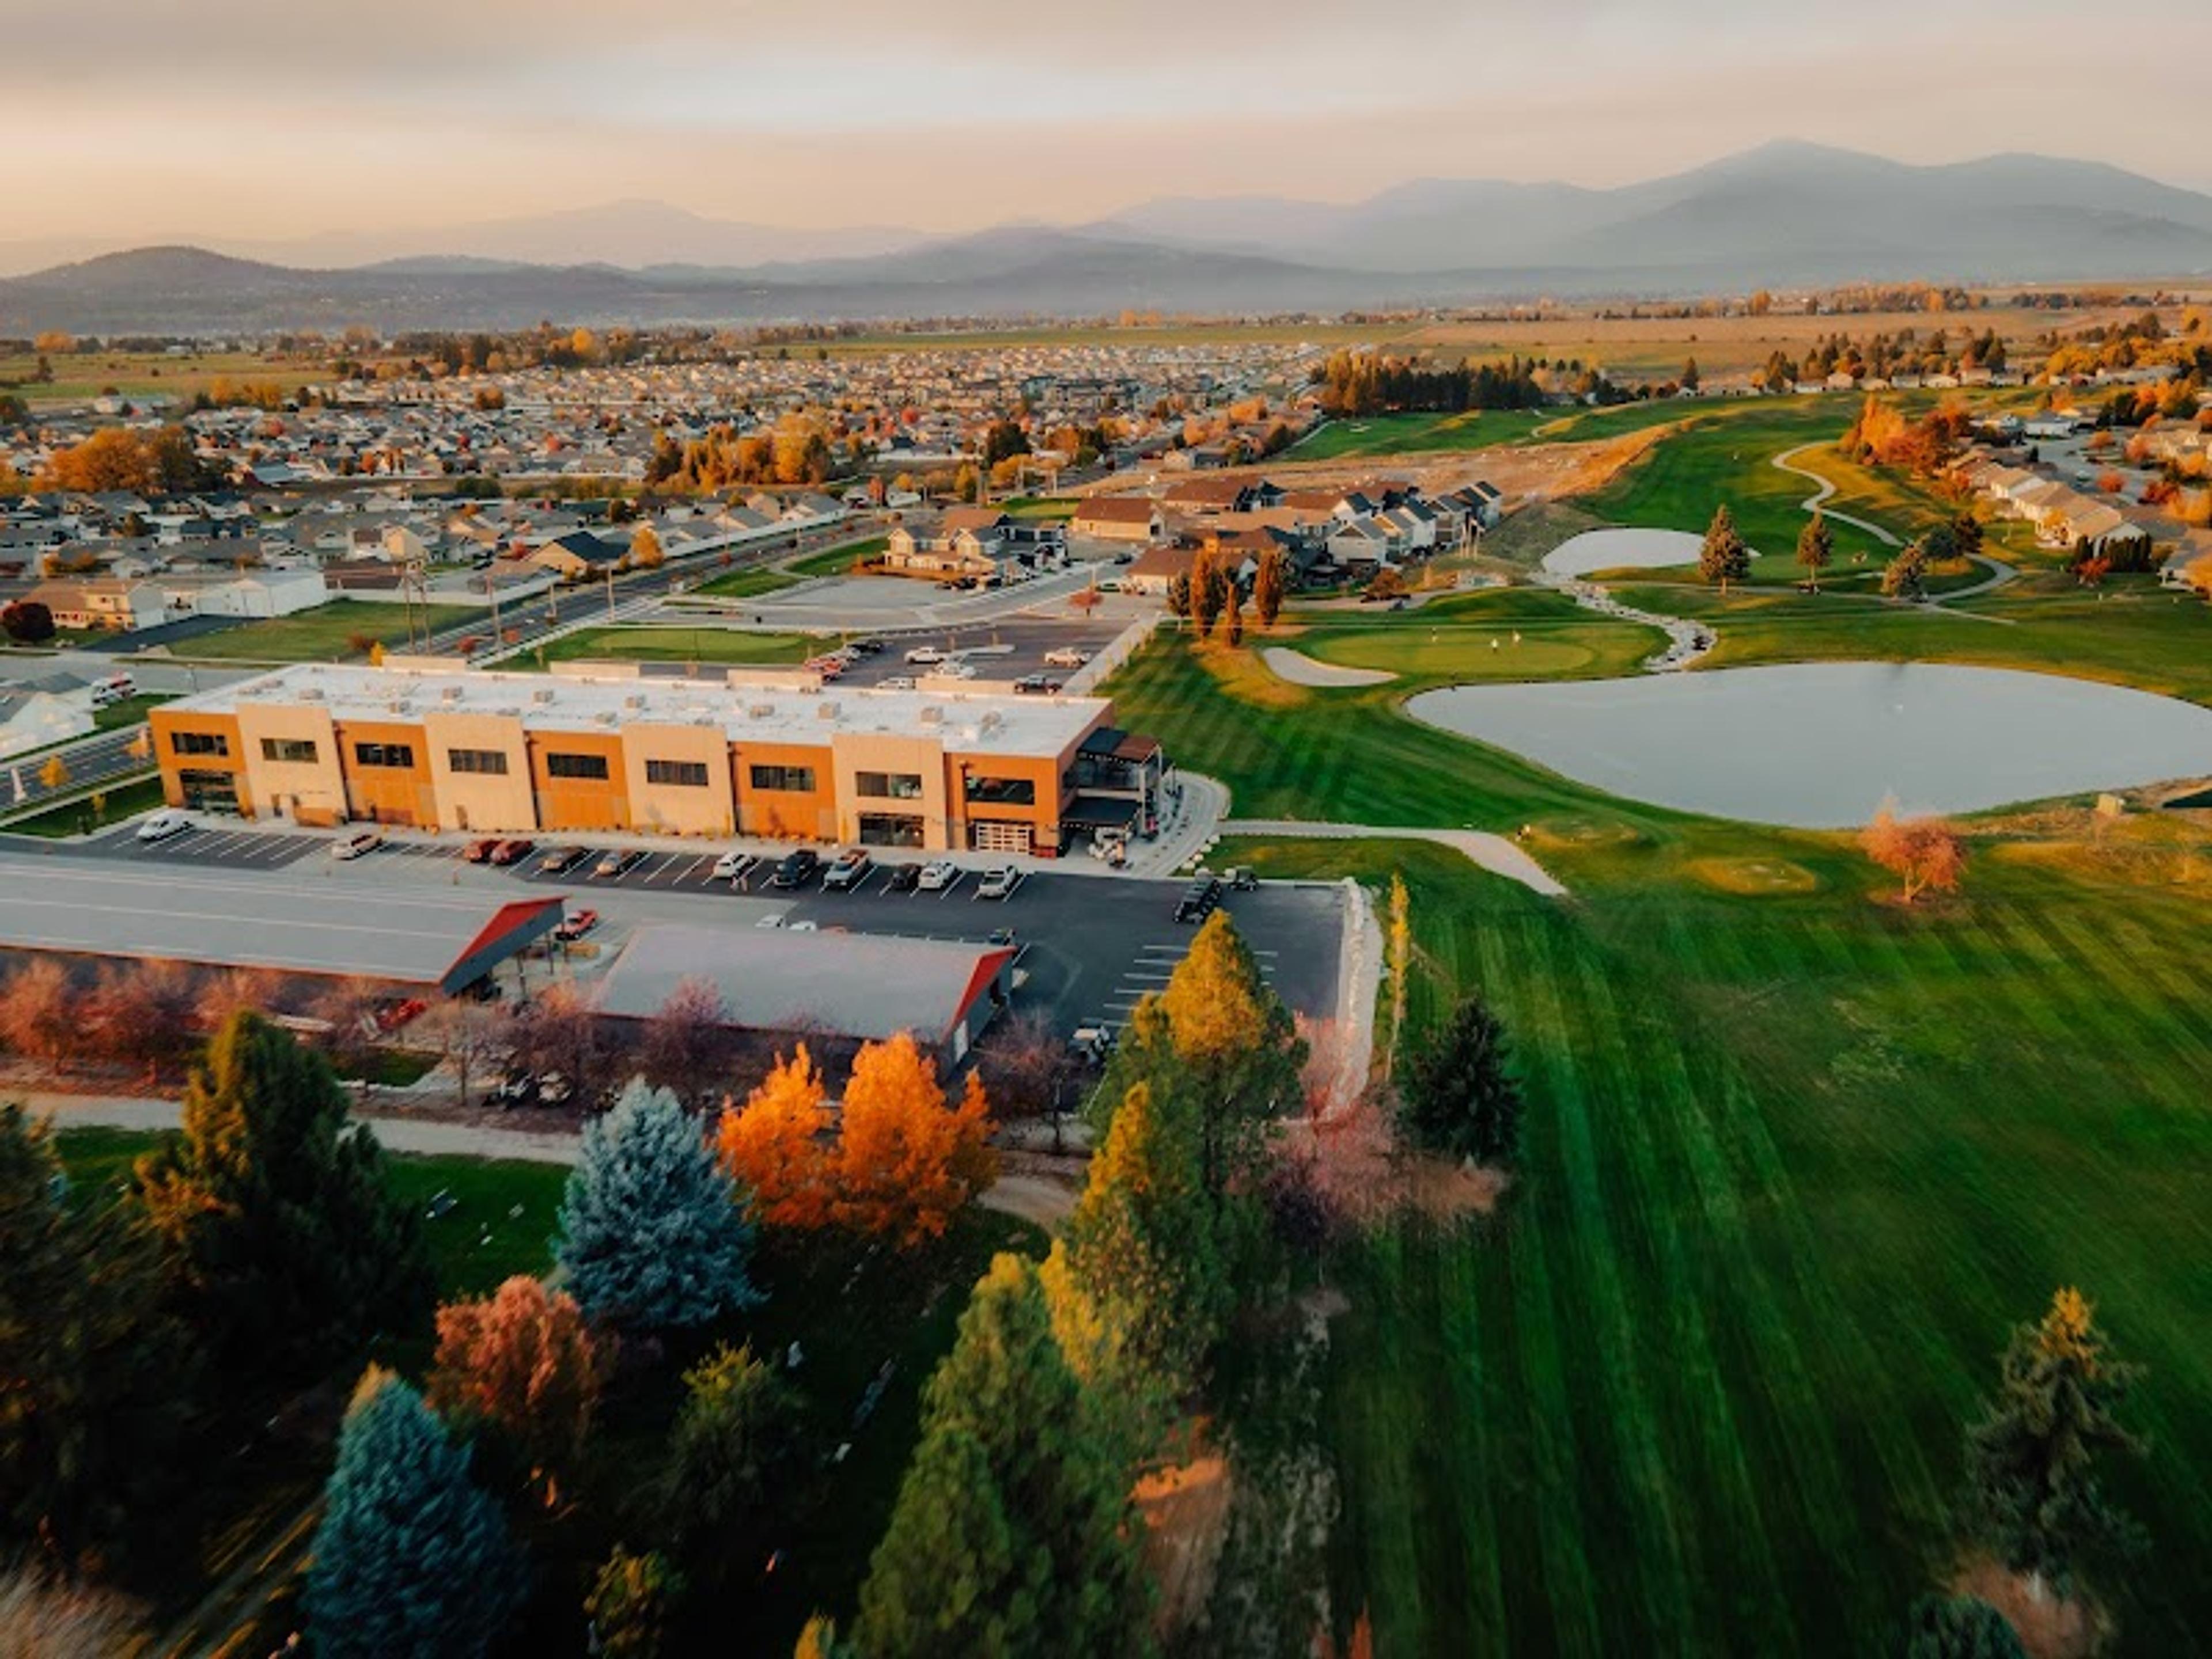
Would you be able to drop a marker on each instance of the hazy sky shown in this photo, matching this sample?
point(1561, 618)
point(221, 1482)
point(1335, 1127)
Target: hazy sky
point(269, 118)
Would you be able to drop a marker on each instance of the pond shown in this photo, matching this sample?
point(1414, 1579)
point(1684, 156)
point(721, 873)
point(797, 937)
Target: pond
point(1821, 745)
point(1623, 549)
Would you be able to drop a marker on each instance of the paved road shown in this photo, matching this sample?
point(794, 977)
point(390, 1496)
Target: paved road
point(1824, 488)
point(104, 756)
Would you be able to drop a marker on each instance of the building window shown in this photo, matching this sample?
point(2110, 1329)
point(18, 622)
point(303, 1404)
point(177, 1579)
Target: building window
point(591, 767)
point(400, 756)
point(299, 750)
point(784, 779)
point(889, 786)
point(889, 829)
point(1002, 791)
point(198, 743)
point(692, 775)
point(487, 763)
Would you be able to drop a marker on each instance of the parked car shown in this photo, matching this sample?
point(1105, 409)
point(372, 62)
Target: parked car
point(866, 647)
point(516, 1088)
point(846, 869)
point(938, 874)
point(957, 670)
point(480, 852)
point(925, 654)
point(1200, 900)
point(513, 850)
point(163, 824)
point(731, 865)
point(896, 683)
point(1241, 879)
point(616, 861)
point(575, 925)
point(796, 868)
point(1091, 1044)
point(1000, 882)
point(1037, 685)
point(355, 842)
point(390, 1015)
point(903, 878)
point(562, 859)
point(1067, 656)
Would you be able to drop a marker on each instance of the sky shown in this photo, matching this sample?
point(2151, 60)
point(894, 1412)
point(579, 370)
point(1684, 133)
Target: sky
point(264, 120)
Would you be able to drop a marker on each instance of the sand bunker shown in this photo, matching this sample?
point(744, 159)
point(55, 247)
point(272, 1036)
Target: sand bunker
point(1299, 669)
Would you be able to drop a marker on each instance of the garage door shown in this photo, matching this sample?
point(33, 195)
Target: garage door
point(1001, 837)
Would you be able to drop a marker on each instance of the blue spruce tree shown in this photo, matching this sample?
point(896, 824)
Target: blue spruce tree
point(410, 1557)
point(653, 1231)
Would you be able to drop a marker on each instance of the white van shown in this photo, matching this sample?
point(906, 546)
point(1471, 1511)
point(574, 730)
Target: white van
point(115, 689)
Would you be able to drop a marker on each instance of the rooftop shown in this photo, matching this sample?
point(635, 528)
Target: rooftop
point(971, 722)
point(178, 913)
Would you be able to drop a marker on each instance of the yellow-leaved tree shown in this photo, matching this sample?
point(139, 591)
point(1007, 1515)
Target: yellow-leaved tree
point(907, 1161)
point(774, 1147)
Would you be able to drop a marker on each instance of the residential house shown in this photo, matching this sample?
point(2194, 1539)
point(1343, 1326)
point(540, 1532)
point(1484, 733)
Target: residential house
point(1118, 519)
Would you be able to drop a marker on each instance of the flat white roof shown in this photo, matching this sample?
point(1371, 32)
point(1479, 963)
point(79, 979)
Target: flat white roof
point(965, 721)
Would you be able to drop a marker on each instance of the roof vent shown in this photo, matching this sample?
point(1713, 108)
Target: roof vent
point(931, 715)
point(452, 694)
point(541, 698)
point(633, 700)
point(827, 711)
point(311, 694)
point(759, 711)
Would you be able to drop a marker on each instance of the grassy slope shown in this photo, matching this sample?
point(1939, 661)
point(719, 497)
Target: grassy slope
point(748, 584)
point(701, 645)
point(1799, 1159)
point(837, 561)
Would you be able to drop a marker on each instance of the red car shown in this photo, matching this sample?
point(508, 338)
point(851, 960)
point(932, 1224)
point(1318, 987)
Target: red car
point(393, 1015)
point(513, 852)
point(575, 926)
point(480, 852)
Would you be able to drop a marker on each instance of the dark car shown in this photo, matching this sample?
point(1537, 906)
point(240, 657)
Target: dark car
point(867, 647)
point(796, 868)
point(513, 852)
point(1200, 900)
point(562, 859)
point(480, 852)
point(617, 862)
point(905, 877)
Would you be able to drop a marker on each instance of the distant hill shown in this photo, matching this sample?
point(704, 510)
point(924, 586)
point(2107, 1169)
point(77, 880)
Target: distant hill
point(1785, 214)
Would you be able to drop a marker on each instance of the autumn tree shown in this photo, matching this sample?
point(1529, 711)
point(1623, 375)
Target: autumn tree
point(95, 1376)
point(410, 1556)
point(631, 1604)
point(112, 458)
point(1816, 548)
point(1013, 1533)
point(523, 1364)
point(1270, 582)
point(1218, 1031)
point(729, 1451)
point(39, 1012)
point(1906, 577)
point(141, 1011)
point(687, 1042)
point(1459, 1096)
point(54, 775)
point(907, 1162)
point(645, 550)
point(774, 1147)
point(1236, 618)
point(1926, 854)
point(1967, 535)
point(2033, 1499)
point(1723, 557)
point(27, 621)
point(1208, 594)
point(651, 1234)
point(288, 1247)
point(1389, 582)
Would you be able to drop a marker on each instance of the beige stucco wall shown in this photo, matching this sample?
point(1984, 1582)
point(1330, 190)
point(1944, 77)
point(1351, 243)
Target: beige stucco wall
point(854, 752)
point(314, 790)
point(675, 808)
point(479, 800)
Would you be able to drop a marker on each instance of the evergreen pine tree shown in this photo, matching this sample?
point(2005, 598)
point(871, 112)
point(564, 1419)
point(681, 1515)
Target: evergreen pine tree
point(653, 1234)
point(2032, 1496)
point(1012, 1534)
point(95, 1374)
point(291, 1251)
point(1457, 1095)
point(410, 1557)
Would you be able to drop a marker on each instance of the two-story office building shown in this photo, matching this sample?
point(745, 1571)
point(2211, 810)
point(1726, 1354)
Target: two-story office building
point(521, 753)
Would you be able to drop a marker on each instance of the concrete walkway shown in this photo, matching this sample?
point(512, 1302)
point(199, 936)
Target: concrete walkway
point(1823, 488)
point(1496, 854)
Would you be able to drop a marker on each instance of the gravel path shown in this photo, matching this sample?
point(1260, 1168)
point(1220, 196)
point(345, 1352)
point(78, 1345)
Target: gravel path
point(1496, 854)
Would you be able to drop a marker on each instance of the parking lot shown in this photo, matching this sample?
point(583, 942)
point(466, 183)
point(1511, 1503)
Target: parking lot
point(1091, 944)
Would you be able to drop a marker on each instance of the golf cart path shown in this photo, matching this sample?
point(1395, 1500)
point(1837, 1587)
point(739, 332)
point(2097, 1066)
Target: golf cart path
point(1493, 852)
point(1823, 488)
point(1047, 1203)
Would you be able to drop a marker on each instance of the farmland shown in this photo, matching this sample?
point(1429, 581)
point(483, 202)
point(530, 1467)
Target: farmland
point(80, 376)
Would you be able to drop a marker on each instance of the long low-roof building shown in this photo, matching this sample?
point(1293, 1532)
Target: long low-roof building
point(517, 753)
point(859, 986)
point(216, 919)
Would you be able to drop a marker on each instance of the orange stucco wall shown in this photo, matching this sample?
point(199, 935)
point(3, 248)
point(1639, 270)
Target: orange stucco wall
point(781, 814)
point(388, 794)
point(580, 803)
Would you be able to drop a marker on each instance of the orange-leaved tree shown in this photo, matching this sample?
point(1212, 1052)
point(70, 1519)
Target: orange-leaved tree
point(1926, 854)
point(907, 1161)
point(773, 1144)
point(524, 1362)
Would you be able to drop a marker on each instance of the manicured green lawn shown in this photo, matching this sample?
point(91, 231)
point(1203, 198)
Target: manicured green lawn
point(1359, 435)
point(1510, 633)
point(748, 584)
point(723, 646)
point(1797, 1160)
point(838, 560)
point(325, 633)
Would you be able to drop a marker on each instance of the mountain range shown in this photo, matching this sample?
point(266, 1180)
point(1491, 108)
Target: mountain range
point(1785, 214)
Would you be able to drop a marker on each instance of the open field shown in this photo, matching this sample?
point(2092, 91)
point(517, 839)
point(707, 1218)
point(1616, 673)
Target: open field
point(1797, 1160)
point(1722, 345)
point(323, 634)
point(748, 584)
point(836, 560)
point(1168, 332)
point(79, 377)
point(1355, 435)
point(721, 645)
